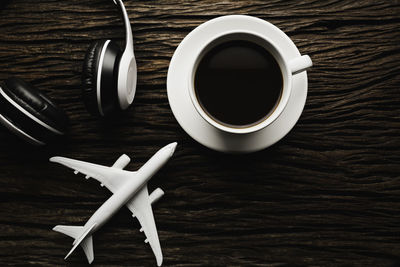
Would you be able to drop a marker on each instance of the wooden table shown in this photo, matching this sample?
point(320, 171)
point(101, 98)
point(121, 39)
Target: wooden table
point(328, 194)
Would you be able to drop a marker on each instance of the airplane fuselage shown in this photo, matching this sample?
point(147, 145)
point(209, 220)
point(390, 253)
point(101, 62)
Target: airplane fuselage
point(135, 181)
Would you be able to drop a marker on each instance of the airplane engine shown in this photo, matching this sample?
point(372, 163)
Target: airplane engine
point(156, 195)
point(122, 162)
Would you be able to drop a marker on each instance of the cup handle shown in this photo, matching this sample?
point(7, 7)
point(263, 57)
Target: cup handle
point(300, 64)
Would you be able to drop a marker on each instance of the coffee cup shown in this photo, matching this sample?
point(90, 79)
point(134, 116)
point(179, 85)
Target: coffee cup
point(241, 82)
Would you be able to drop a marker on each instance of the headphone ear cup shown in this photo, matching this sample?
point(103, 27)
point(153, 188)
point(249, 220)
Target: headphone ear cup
point(29, 113)
point(100, 77)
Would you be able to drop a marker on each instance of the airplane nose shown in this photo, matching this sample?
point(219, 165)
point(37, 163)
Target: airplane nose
point(172, 147)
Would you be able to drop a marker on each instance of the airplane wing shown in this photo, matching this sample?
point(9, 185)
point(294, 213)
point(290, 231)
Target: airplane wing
point(140, 206)
point(112, 178)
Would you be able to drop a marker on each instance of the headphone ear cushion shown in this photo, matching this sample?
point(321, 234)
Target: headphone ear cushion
point(89, 76)
point(100, 93)
point(33, 112)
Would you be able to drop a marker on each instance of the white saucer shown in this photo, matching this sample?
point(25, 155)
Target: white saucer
point(186, 114)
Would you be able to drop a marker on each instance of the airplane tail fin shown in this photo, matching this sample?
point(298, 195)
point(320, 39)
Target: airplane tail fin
point(81, 238)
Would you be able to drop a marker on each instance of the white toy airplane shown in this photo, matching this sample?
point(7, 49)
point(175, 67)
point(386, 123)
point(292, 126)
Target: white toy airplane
point(129, 188)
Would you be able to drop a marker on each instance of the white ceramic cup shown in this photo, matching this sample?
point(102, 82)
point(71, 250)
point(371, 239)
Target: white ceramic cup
point(288, 69)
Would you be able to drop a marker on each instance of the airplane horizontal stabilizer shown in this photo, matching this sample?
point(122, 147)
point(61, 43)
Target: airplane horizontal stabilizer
point(87, 245)
point(84, 239)
point(72, 231)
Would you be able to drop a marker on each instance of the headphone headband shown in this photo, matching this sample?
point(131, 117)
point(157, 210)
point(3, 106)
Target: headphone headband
point(127, 73)
point(128, 29)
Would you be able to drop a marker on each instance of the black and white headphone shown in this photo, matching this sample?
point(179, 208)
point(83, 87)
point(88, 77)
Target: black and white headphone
point(108, 84)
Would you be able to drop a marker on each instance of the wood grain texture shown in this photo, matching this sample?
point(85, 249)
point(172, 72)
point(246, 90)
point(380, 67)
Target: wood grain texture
point(328, 194)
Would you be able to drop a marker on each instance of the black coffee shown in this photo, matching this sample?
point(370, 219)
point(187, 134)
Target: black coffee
point(238, 83)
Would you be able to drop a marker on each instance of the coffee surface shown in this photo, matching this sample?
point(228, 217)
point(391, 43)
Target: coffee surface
point(238, 83)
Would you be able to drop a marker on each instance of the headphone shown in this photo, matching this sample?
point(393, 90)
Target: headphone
point(108, 84)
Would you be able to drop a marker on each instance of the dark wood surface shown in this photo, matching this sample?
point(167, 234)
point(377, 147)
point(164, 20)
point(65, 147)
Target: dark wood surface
point(328, 194)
